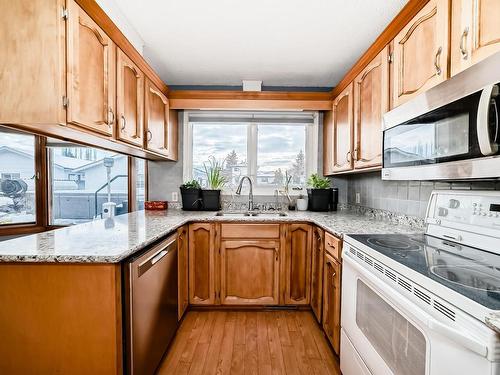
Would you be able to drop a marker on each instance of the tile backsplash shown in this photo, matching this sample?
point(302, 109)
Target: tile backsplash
point(405, 197)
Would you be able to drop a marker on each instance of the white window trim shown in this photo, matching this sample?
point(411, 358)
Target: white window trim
point(311, 151)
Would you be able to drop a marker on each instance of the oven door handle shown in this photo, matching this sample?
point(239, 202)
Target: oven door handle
point(485, 143)
point(412, 310)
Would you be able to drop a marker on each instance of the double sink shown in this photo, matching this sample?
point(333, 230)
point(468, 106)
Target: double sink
point(250, 213)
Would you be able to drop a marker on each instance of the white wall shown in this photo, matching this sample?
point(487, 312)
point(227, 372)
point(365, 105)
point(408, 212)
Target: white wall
point(118, 17)
point(96, 177)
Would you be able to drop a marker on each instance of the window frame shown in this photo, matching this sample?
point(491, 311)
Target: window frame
point(43, 191)
point(311, 149)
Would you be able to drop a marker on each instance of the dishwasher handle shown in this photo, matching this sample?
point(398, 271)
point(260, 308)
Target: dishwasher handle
point(155, 258)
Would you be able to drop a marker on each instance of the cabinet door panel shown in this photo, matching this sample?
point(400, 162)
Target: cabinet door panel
point(250, 272)
point(129, 100)
point(342, 130)
point(328, 139)
point(475, 32)
point(317, 264)
point(371, 98)
point(298, 265)
point(421, 52)
point(33, 62)
point(202, 264)
point(156, 120)
point(183, 270)
point(331, 301)
point(91, 63)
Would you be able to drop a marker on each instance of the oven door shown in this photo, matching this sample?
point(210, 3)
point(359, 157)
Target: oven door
point(464, 130)
point(392, 335)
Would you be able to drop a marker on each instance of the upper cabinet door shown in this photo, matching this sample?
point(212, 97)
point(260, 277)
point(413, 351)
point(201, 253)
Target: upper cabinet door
point(91, 63)
point(342, 130)
point(475, 32)
point(156, 120)
point(421, 52)
point(371, 101)
point(328, 143)
point(129, 100)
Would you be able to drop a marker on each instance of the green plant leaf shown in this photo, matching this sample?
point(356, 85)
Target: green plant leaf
point(317, 182)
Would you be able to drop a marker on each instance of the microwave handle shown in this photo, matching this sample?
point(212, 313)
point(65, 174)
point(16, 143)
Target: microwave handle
point(404, 304)
point(486, 145)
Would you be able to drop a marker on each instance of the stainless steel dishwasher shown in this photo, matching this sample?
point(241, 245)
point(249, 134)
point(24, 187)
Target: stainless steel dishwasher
point(150, 306)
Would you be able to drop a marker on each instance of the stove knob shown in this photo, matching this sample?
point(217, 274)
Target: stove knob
point(454, 203)
point(442, 211)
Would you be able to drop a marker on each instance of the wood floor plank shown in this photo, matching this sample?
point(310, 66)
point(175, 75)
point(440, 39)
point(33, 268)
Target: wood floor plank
point(215, 344)
point(251, 355)
point(263, 351)
point(273, 336)
point(226, 349)
point(250, 342)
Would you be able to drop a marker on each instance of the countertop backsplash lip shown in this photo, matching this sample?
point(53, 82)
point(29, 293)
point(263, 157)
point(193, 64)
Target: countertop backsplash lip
point(114, 240)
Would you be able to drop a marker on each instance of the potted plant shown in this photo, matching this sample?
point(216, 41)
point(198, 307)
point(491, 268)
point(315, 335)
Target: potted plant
point(319, 193)
point(215, 180)
point(301, 203)
point(191, 195)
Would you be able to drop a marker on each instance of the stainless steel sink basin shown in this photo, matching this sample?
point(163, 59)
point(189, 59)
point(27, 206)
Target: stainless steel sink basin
point(250, 214)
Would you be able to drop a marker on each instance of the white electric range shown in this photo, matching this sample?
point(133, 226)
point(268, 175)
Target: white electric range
point(419, 304)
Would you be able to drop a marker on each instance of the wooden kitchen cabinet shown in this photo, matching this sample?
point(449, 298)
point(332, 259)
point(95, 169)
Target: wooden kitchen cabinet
point(421, 52)
point(331, 301)
point(475, 32)
point(91, 73)
point(371, 102)
point(317, 265)
point(33, 62)
point(202, 264)
point(249, 272)
point(183, 270)
point(129, 100)
point(342, 123)
point(328, 138)
point(156, 120)
point(297, 265)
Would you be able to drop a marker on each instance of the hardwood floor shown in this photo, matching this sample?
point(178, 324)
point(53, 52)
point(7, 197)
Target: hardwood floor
point(249, 342)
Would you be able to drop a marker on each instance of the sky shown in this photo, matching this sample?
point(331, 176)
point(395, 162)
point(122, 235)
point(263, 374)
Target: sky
point(278, 145)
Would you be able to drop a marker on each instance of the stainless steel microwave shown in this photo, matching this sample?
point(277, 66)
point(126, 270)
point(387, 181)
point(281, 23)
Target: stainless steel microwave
point(450, 132)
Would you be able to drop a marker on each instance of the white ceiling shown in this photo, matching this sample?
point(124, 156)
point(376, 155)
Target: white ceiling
point(308, 43)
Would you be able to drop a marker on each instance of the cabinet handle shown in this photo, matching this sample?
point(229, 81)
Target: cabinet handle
point(124, 123)
point(348, 156)
point(150, 136)
point(356, 154)
point(437, 64)
point(111, 117)
point(277, 253)
point(463, 40)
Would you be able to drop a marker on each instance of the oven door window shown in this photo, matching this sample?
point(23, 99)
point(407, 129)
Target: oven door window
point(400, 344)
point(446, 134)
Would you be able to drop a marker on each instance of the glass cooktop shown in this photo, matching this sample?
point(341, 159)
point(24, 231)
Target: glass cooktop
point(469, 271)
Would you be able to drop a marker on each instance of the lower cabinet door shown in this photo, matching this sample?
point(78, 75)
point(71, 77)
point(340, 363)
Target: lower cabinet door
point(297, 266)
point(202, 264)
point(331, 301)
point(183, 280)
point(249, 272)
point(317, 264)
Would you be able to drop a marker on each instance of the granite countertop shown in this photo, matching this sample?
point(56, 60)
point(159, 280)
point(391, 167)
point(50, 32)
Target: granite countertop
point(113, 240)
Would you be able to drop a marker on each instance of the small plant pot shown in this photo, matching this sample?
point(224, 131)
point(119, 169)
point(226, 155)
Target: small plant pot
point(191, 199)
point(210, 200)
point(301, 204)
point(319, 199)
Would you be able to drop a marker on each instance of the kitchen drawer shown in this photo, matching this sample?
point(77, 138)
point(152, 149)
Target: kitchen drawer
point(333, 246)
point(242, 230)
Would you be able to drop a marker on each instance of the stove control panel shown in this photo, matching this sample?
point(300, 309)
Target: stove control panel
point(478, 208)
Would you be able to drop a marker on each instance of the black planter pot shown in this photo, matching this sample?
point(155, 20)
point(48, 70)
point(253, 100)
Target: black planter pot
point(319, 199)
point(210, 200)
point(191, 199)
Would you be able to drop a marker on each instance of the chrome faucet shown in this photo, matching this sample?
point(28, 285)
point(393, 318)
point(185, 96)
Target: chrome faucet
point(250, 193)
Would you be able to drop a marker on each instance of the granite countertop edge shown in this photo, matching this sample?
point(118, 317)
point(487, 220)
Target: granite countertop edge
point(49, 247)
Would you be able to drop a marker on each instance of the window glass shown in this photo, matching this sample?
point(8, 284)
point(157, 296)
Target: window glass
point(140, 183)
point(17, 178)
point(280, 153)
point(226, 143)
point(79, 181)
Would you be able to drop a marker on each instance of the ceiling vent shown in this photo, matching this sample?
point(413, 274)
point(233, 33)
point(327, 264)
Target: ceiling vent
point(252, 85)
